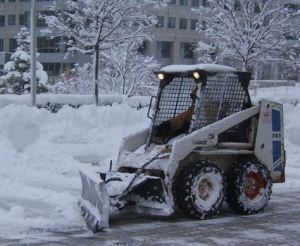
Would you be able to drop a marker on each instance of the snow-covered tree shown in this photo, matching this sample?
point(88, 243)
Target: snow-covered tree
point(127, 71)
point(248, 31)
point(78, 80)
point(208, 52)
point(17, 71)
point(96, 25)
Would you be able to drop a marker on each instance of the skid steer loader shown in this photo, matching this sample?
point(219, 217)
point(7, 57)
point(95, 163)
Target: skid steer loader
point(207, 143)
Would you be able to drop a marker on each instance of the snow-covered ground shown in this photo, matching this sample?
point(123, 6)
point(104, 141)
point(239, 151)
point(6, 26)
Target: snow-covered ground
point(40, 153)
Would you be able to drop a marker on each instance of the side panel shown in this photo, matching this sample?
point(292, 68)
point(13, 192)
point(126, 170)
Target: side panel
point(269, 144)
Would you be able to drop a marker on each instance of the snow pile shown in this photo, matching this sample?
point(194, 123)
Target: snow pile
point(39, 161)
point(282, 94)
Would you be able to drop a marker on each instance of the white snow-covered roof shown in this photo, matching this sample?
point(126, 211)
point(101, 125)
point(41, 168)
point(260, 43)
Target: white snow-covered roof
point(203, 66)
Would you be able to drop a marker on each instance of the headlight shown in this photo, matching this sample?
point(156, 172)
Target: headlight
point(161, 76)
point(196, 75)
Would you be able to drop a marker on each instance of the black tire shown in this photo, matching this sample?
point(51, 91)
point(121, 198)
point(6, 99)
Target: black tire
point(199, 189)
point(249, 187)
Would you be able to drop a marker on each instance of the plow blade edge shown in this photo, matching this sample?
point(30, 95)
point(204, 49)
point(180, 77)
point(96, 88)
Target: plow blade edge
point(94, 202)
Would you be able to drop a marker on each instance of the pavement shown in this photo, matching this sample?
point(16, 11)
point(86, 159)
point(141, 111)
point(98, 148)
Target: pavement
point(279, 224)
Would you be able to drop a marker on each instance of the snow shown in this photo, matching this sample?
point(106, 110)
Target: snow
point(39, 176)
point(140, 156)
point(39, 153)
point(203, 66)
point(22, 55)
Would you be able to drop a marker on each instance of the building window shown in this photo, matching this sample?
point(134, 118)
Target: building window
point(172, 2)
point(12, 45)
point(164, 49)
point(1, 45)
point(193, 24)
point(203, 25)
point(171, 22)
point(142, 49)
point(182, 23)
point(160, 21)
point(49, 45)
point(2, 20)
point(183, 2)
point(12, 1)
point(24, 19)
point(237, 5)
point(56, 69)
point(186, 50)
point(11, 20)
point(195, 3)
point(2, 1)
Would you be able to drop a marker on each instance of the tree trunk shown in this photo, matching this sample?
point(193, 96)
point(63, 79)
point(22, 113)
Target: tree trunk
point(96, 74)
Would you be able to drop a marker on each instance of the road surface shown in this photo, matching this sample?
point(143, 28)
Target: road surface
point(279, 224)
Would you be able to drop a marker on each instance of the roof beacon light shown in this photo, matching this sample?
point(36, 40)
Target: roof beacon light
point(196, 75)
point(161, 76)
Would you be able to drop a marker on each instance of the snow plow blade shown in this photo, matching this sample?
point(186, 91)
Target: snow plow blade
point(94, 202)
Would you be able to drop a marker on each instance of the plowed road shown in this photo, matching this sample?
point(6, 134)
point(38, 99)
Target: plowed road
point(279, 224)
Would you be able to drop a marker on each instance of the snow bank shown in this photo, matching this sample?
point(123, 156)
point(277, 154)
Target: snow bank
point(283, 94)
point(74, 100)
point(39, 153)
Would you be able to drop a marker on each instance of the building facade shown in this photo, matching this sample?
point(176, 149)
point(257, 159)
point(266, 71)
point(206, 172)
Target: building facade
point(15, 14)
point(174, 37)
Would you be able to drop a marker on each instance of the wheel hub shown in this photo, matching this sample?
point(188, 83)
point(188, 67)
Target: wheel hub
point(204, 189)
point(254, 184)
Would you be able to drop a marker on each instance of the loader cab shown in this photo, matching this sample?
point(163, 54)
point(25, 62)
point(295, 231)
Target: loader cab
point(193, 96)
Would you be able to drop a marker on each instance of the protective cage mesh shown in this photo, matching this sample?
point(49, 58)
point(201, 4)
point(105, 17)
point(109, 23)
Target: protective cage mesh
point(221, 96)
point(175, 98)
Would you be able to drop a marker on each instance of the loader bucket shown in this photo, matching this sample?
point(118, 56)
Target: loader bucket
point(94, 202)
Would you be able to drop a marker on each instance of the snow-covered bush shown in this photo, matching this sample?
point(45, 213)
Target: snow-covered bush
point(17, 71)
point(128, 72)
